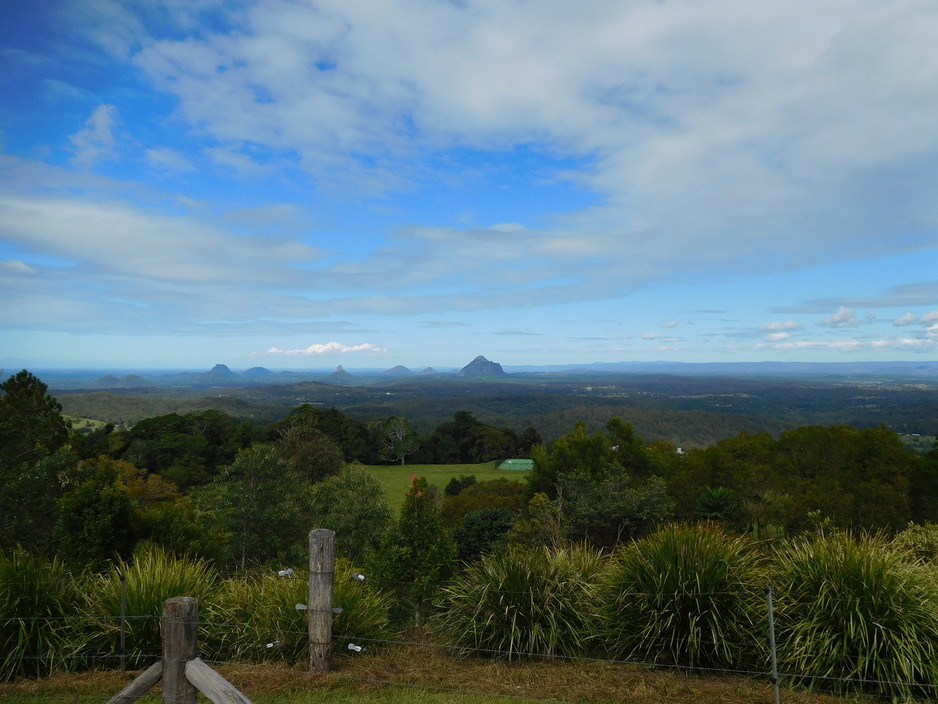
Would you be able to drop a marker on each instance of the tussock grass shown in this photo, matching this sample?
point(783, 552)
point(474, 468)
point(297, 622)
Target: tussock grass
point(860, 610)
point(521, 602)
point(153, 576)
point(37, 596)
point(255, 619)
point(687, 595)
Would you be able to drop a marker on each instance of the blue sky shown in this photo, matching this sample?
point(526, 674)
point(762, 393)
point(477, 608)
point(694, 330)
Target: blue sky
point(300, 184)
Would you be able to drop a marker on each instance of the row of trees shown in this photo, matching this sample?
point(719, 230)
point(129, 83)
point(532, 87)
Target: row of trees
point(242, 494)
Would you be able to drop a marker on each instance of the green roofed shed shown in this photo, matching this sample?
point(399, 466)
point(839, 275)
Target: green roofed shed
point(517, 465)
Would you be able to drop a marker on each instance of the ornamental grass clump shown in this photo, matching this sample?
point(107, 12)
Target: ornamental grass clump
point(37, 596)
point(688, 596)
point(857, 614)
point(152, 576)
point(522, 602)
point(254, 618)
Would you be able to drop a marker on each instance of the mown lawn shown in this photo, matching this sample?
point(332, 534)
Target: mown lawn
point(396, 478)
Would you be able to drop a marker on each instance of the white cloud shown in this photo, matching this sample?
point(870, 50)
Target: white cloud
point(327, 348)
point(767, 105)
point(95, 141)
point(165, 159)
point(121, 240)
point(670, 324)
point(904, 319)
point(778, 336)
point(786, 325)
point(930, 318)
point(15, 266)
point(843, 318)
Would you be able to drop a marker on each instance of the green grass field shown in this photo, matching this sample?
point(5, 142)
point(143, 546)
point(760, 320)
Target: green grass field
point(396, 478)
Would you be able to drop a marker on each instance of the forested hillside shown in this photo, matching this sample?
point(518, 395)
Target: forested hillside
point(606, 511)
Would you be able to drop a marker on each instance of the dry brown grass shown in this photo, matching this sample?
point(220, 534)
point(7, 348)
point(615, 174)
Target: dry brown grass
point(419, 665)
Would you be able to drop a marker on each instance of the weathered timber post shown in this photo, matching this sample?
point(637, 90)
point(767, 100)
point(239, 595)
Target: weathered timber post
point(184, 674)
point(180, 644)
point(319, 613)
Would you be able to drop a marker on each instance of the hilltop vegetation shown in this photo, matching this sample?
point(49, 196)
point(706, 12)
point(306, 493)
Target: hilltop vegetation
point(600, 501)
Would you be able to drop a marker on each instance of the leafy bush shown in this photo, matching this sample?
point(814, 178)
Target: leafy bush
point(687, 595)
point(255, 618)
point(522, 602)
point(36, 595)
point(482, 531)
point(417, 555)
point(858, 610)
point(920, 540)
point(152, 577)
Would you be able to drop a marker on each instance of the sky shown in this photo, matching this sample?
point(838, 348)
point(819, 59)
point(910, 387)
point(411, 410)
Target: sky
point(306, 183)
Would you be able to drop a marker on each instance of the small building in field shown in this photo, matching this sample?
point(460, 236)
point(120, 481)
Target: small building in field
point(516, 465)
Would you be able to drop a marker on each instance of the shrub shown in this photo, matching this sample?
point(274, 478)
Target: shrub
point(522, 602)
point(687, 595)
point(920, 540)
point(36, 595)
point(857, 614)
point(152, 577)
point(254, 618)
point(481, 532)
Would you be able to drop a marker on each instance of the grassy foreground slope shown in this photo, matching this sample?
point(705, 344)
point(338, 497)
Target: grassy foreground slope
point(415, 674)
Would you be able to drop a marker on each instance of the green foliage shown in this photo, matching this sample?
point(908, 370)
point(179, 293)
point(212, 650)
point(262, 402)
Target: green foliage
point(457, 484)
point(36, 596)
point(494, 493)
point(920, 541)
point(152, 576)
point(254, 618)
point(522, 602)
point(187, 450)
point(583, 456)
point(614, 509)
point(398, 439)
point(717, 503)
point(95, 520)
point(482, 531)
point(31, 423)
point(29, 501)
point(465, 439)
point(417, 555)
point(355, 439)
point(261, 504)
point(541, 524)
point(248, 613)
point(857, 610)
point(309, 452)
point(687, 595)
point(352, 504)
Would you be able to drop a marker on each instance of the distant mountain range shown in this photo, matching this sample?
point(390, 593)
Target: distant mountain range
point(221, 376)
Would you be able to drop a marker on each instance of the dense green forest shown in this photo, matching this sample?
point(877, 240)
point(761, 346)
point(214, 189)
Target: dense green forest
point(205, 481)
point(605, 516)
point(685, 410)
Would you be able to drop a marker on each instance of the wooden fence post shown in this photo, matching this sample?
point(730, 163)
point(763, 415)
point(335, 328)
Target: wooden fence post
point(180, 644)
point(319, 613)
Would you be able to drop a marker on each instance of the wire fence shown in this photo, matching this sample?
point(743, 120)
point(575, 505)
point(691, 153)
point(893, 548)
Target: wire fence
point(288, 639)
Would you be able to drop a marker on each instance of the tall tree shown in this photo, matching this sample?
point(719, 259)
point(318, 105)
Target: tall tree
point(261, 504)
point(398, 439)
point(31, 422)
point(353, 504)
point(417, 555)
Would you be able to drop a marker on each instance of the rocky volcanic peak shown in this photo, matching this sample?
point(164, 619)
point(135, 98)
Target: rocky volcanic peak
point(480, 366)
point(399, 370)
